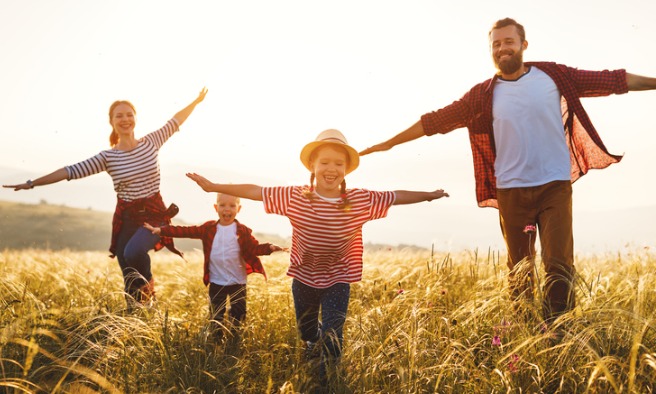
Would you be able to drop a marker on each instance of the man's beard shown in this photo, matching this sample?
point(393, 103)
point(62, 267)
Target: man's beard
point(512, 65)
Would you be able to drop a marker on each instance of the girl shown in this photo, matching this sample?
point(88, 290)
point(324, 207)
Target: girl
point(133, 165)
point(327, 220)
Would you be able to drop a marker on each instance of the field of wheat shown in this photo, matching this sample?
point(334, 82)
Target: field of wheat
point(419, 322)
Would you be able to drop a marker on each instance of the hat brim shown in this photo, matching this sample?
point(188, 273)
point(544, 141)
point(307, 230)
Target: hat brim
point(306, 153)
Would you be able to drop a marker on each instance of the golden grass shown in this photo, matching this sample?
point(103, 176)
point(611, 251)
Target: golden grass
point(417, 324)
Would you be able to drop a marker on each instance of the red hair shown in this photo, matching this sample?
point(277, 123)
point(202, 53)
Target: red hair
point(113, 137)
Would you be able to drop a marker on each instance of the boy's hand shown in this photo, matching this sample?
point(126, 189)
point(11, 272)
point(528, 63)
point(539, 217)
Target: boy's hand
point(276, 248)
point(154, 230)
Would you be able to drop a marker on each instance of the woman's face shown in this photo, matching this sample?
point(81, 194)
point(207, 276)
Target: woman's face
point(123, 119)
point(329, 164)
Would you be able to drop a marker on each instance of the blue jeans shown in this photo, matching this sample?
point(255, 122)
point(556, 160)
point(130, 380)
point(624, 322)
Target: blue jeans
point(333, 304)
point(132, 246)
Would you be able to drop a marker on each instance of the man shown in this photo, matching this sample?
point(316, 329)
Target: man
point(530, 139)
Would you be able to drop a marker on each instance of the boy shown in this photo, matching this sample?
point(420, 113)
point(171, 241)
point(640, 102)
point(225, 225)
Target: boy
point(230, 252)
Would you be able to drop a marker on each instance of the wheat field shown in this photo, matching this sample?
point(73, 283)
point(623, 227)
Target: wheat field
point(419, 322)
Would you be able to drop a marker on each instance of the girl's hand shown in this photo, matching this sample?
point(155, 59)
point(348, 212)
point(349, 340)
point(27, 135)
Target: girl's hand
point(154, 230)
point(439, 193)
point(201, 181)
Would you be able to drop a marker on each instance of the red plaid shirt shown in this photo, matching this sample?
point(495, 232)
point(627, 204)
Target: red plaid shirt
point(248, 245)
point(142, 210)
point(474, 111)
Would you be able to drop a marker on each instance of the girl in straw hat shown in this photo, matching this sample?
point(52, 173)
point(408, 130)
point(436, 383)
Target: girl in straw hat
point(327, 220)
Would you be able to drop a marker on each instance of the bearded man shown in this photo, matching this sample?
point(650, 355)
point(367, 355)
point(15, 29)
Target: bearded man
point(530, 139)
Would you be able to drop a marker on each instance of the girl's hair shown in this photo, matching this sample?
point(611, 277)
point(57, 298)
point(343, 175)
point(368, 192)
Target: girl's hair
point(344, 203)
point(113, 137)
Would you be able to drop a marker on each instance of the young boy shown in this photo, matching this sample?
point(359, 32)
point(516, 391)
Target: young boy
point(230, 252)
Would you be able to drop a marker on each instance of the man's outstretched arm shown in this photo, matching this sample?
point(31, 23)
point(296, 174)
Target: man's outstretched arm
point(412, 133)
point(638, 82)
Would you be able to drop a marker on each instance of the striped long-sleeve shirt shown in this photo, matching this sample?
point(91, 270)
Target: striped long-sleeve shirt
point(135, 173)
point(326, 240)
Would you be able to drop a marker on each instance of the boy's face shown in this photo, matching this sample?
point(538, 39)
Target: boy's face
point(227, 207)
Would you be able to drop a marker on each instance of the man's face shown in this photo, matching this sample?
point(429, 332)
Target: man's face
point(507, 49)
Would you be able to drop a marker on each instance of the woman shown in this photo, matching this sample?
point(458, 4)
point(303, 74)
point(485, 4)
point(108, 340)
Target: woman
point(133, 165)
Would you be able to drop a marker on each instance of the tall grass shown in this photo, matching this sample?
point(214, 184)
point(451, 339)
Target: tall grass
point(418, 323)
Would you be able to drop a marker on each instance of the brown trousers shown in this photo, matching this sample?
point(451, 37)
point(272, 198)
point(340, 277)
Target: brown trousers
point(549, 208)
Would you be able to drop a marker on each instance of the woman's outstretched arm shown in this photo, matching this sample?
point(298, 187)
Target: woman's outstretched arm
point(53, 177)
point(251, 192)
point(184, 113)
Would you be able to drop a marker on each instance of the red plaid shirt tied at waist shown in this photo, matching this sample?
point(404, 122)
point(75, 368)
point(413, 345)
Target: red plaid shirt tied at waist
point(474, 111)
point(143, 210)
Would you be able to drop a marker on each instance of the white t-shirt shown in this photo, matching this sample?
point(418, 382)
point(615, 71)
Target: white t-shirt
point(226, 264)
point(528, 132)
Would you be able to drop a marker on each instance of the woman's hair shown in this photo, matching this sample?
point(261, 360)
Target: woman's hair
point(113, 137)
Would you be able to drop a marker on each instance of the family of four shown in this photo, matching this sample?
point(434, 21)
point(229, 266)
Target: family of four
point(530, 138)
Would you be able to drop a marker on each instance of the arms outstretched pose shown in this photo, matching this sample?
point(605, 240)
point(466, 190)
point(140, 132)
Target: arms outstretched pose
point(133, 165)
point(531, 139)
point(231, 254)
point(327, 220)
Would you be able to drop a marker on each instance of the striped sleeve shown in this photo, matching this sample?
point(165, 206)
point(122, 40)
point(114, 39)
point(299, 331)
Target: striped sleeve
point(90, 166)
point(159, 137)
point(276, 199)
point(380, 203)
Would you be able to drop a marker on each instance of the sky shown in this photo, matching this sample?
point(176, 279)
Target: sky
point(278, 73)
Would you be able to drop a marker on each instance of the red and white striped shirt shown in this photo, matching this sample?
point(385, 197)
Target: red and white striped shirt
point(326, 240)
point(135, 172)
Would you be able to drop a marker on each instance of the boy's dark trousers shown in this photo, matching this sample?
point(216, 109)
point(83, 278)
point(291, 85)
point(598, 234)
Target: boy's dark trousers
point(220, 296)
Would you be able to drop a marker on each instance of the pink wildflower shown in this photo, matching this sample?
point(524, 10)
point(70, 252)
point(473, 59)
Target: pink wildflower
point(496, 341)
point(512, 364)
point(530, 229)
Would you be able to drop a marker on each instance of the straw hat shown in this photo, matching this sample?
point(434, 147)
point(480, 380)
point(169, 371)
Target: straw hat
point(332, 137)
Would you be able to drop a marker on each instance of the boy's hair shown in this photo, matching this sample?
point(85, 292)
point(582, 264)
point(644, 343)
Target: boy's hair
point(501, 23)
point(218, 195)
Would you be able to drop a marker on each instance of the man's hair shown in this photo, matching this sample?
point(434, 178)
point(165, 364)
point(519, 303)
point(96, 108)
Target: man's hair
point(509, 22)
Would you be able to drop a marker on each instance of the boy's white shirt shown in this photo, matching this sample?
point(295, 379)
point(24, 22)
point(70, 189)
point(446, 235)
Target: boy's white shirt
point(226, 265)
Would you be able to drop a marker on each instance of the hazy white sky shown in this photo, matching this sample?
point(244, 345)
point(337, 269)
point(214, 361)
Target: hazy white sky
point(279, 72)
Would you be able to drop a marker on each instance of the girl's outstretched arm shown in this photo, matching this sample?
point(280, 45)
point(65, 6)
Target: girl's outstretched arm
point(251, 192)
point(184, 113)
point(412, 197)
point(53, 177)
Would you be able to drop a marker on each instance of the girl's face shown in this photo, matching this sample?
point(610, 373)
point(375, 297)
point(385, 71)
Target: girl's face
point(329, 164)
point(123, 120)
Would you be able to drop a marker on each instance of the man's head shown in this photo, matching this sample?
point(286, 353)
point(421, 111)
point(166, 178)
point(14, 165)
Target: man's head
point(507, 45)
point(227, 207)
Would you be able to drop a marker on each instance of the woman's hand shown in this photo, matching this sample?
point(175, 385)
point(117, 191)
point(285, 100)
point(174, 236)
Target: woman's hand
point(22, 186)
point(201, 95)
